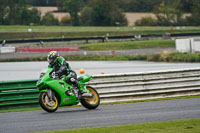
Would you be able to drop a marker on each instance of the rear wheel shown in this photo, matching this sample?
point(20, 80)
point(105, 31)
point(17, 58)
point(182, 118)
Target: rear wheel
point(91, 102)
point(47, 104)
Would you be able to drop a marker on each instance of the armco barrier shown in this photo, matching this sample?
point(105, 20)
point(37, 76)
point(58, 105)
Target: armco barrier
point(15, 93)
point(115, 87)
point(147, 85)
point(98, 38)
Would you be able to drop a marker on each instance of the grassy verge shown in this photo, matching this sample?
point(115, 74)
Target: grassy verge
point(107, 46)
point(37, 107)
point(21, 32)
point(178, 126)
point(82, 58)
point(163, 57)
point(175, 57)
point(24, 28)
point(129, 45)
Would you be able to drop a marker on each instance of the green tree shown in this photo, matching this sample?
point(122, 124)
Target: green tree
point(85, 17)
point(186, 5)
point(15, 9)
point(73, 7)
point(3, 11)
point(168, 12)
point(146, 21)
point(148, 5)
point(43, 2)
point(60, 4)
point(104, 13)
point(27, 15)
point(49, 19)
point(194, 19)
point(18, 12)
point(137, 5)
point(33, 16)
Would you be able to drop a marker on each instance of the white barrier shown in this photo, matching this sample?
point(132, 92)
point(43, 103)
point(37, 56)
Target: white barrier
point(7, 49)
point(183, 45)
point(190, 45)
point(147, 85)
point(195, 44)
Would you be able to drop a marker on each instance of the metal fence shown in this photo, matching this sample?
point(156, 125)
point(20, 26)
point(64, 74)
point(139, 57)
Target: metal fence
point(17, 93)
point(147, 85)
point(103, 38)
point(114, 87)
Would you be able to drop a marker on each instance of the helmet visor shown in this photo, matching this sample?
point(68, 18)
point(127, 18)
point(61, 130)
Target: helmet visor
point(49, 60)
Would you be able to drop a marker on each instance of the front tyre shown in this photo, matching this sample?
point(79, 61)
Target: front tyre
point(93, 102)
point(47, 104)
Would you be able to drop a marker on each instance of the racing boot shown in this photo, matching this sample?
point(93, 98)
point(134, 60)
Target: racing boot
point(77, 85)
point(85, 95)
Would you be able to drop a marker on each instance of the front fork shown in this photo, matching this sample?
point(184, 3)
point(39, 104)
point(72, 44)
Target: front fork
point(50, 94)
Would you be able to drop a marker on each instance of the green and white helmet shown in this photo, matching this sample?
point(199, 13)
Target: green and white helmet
point(52, 56)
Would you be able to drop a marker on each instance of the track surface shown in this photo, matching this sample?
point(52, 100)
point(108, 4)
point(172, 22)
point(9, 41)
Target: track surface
point(31, 70)
point(105, 115)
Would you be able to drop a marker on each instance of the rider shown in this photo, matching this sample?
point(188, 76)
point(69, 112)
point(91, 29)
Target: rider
point(62, 68)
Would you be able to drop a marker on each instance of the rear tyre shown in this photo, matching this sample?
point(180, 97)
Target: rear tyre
point(93, 102)
point(47, 104)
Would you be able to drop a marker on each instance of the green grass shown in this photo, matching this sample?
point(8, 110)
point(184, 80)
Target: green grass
point(82, 58)
point(129, 45)
point(175, 57)
point(177, 126)
point(104, 57)
point(163, 57)
point(21, 28)
point(21, 32)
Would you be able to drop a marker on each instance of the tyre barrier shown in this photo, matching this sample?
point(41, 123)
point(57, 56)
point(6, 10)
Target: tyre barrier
point(113, 87)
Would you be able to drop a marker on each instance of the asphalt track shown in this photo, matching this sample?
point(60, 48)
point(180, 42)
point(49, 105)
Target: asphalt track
point(105, 115)
point(31, 70)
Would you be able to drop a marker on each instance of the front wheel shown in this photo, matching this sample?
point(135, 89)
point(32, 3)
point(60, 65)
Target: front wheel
point(47, 104)
point(93, 102)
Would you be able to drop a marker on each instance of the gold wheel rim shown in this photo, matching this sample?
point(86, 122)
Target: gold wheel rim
point(50, 104)
point(95, 97)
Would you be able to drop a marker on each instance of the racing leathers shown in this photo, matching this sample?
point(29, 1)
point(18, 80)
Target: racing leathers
point(62, 69)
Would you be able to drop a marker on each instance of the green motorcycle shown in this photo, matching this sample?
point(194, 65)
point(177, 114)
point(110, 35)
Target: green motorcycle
point(54, 92)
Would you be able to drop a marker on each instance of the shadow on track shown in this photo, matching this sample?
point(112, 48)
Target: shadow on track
point(69, 110)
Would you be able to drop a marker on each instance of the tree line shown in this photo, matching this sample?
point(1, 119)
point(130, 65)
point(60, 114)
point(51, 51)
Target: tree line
point(171, 13)
point(126, 5)
point(82, 12)
point(100, 12)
